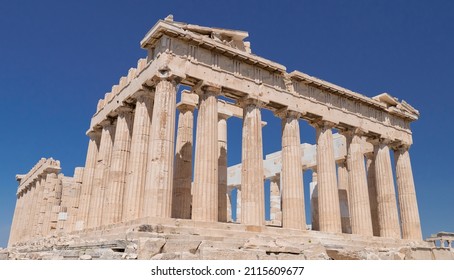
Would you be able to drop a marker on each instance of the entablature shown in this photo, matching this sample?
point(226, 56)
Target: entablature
point(42, 167)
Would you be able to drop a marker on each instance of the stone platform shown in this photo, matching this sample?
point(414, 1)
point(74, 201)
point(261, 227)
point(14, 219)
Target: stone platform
point(178, 239)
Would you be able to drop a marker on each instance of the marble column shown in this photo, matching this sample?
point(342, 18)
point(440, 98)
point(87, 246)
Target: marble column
point(388, 219)
point(137, 163)
point(46, 211)
point(41, 207)
point(101, 174)
point(205, 192)
point(13, 223)
point(113, 199)
point(229, 205)
point(314, 201)
point(223, 215)
point(328, 195)
point(409, 214)
point(33, 208)
point(252, 190)
point(372, 190)
point(159, 180)
point(37, 205)
point(293, 211)
point(87, 180)
point(16, 218)
point(358, 196)
point(275, 200)
point(50, 193)
point(24, 213)
point(342, 185)
point(238, 206)
point(181, 197)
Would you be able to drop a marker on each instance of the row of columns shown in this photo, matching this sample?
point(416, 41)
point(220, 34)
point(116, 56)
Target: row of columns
point(129, 170)
point(35, 214)
point(356, 197)
point(372, 204)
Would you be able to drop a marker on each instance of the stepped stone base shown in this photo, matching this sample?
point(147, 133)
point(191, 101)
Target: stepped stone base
point(174, 239)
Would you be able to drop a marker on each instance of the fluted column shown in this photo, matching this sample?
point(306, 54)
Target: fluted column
point(409, 214)
point(252, 190)
point(205, 192)
point(41, 207)
point(386, 196)
point(46, 211)
point(342, 185)
point(36, 206)
point(33, 209)
point(101, 174)
point(223, 201)
point(372, 190)
point(229, 205)
point(50, 194)
point(159, 180)
point(16, 218)
point(113, 199)
point(328, 196)
point(181, 197)
point(275, 200)
point(358, 197)
point(314, 201)
point(137, 164)
point(238, 205)
point(87, 179)
point(293, 212)
point(24, 213)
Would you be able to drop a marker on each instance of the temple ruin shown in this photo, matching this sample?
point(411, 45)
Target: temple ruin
point(144, 172)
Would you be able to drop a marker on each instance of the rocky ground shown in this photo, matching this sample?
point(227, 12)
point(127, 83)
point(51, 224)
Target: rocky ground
point(164, 243)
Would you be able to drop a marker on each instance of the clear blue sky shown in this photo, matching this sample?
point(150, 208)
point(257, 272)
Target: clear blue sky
point(57, 58)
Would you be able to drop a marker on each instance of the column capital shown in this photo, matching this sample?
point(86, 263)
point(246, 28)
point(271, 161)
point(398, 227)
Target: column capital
point(353, 131)
point(184, 107)
point(165, 74)
point(204, 87)
point(379, 141)
point(400, 146)
point(251, 100)
point(107, 122)
point(322, 124)
point(144, 94)
point(122, 110)
point(287, 112)
point(93, 133)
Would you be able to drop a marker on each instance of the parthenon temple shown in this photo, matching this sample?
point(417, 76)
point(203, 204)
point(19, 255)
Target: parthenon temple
point(146, 160)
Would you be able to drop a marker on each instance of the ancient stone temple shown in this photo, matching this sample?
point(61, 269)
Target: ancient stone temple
point(144, 174)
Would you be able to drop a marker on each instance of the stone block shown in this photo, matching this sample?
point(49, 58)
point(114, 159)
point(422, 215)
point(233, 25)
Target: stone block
point(85, 257)
point(290, 257)
point(442, 254)
point(182, 245)
point(4, 256)
point(149, 247)
point(189, 256)
point(419, 254)
point(167, 256)
point(215, 254)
